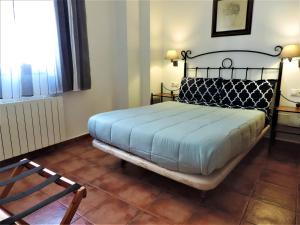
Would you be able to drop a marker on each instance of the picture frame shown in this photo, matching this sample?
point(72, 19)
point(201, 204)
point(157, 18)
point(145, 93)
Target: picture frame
point(231, 17)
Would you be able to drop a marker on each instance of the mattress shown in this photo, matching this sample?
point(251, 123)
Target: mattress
point(182, 137)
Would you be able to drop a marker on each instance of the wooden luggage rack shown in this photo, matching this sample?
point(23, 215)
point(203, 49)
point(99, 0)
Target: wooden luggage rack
point(25, 168)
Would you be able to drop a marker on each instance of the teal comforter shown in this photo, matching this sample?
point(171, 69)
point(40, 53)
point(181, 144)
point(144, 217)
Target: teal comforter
point(181, 137)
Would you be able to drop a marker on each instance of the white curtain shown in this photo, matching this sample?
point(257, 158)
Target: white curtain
point(29, 63)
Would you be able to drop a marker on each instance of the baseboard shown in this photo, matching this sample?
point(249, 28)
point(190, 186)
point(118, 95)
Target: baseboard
point(77, 136)
point(294, 141)
point(45, 150)
point(74, 139)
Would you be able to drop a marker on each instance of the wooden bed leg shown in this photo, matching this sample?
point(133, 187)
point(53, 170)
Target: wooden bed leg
point(8, 187)
point(69, 214)
point(123, 163)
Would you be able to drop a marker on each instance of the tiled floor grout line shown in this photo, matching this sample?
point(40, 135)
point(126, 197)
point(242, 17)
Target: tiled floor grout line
point(115, 196)
point(142, 209)
point(133, 218)
point(249, 199)
point(82, 217)
point(270, 202)
point(146, 209)
point(252, 193)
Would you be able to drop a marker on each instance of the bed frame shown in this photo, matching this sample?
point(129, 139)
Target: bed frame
point(202, 182)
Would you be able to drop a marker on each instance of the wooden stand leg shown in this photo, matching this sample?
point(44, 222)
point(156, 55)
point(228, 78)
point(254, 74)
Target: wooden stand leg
point(8, 187)
point(151, 100)
point(273, 130)
point(79, 195)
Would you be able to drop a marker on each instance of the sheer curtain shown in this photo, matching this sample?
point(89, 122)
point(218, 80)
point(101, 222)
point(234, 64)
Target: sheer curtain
point(29, 52)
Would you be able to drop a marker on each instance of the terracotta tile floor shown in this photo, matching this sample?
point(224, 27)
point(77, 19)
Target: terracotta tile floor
point(262, 189)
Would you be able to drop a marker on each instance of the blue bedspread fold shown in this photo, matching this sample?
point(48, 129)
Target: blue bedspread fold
point(178, 136)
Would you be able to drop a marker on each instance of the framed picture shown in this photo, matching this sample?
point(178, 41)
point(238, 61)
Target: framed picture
point(231, 17)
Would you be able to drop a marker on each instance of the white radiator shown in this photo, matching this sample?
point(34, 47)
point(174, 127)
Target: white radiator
point(30, 124)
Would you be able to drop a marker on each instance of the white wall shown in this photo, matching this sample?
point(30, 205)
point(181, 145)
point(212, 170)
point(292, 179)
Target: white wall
point(156, 44)
point(132, 41)
point(79, 106)
point(127, 39)
point(187, 25)
point(145, 54)
point(119, 40)
point(133, 54)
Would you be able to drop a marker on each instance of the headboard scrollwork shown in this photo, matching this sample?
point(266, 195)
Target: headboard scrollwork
point(227, 64)
point(187, 54)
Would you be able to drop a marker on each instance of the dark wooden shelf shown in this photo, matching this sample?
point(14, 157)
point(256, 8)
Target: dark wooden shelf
point(167, 95)
point(288, 109)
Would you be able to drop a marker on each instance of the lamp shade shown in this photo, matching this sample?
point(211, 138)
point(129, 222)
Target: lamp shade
point(290, 51)
point(172, 55)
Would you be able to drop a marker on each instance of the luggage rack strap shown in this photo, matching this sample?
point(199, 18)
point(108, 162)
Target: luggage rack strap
point(21, 176)
point(14, 165)
point(14, 218)
point(30, 191)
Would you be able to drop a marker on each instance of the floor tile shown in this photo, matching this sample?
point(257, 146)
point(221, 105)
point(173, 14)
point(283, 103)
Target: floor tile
point(114, 181)
point(94, 198)
point(288, 168)
point(163, 183)
point(26, 183)
point(133, 195)
point(256, 156)
point(239, 183)
point(279, 179)
point(284, 151)
point(172, 208)
point(25, 203)
point(69, 165)
point(52, 189)
point(77, 149)
point(112, 211)
point(186, 193)
point(109, 162)
point(206, 216)
point(133, 170)
point(51, 214)
point(298, 203)
point(92, 154)
point(284, 197)
point(53, 158)
point(81, 221)
point(252, 171)
point(262, 213)
point(4, 176)
point(88, 173)
point(139, 194)
point(246, 223)
point(229, 202)
point(147, 219)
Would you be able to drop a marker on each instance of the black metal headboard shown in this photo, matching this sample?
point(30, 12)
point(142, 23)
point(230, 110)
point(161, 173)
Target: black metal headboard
point(187, 55)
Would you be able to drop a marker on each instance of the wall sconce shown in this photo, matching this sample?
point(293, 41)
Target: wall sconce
point(291, 51)
point(173, 56)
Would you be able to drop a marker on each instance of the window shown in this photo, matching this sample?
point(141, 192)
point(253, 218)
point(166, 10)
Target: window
point(29, 52)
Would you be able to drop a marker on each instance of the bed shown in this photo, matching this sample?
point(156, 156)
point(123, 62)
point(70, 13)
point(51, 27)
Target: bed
point(200, 138)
